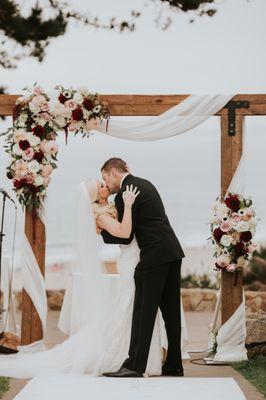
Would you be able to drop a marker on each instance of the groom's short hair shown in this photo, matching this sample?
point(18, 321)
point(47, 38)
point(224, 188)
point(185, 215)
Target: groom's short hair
point(116, 163)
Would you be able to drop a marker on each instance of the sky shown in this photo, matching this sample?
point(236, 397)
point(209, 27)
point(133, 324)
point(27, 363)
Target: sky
point(225, 53)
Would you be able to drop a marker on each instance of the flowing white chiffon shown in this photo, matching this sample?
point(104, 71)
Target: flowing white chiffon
point(100, 325)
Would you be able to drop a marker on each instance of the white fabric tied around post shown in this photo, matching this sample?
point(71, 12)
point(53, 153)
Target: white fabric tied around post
point(190, 113)
point(231, 338)
point(232, 334)
point(33, 281)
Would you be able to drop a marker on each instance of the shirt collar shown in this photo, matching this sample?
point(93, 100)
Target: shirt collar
point(122, 180)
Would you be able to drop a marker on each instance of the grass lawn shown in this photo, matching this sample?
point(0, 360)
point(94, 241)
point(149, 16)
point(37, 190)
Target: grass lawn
point(254, 370)
point(4, 386)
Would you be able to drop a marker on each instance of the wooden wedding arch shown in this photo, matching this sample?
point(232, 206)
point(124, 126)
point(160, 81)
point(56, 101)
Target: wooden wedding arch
point(149, 105)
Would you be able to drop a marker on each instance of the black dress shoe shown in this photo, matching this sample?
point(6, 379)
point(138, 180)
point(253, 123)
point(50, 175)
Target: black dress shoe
point(123, 373)
point(168, 372)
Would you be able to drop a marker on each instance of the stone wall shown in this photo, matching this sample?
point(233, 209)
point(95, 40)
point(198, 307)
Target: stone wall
point(192, 299)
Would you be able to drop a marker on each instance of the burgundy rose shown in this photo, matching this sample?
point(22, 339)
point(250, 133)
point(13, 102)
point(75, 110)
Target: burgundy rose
point(20, 183)
point(16, 111)
point(32, 188)
point(77, 114)
point(38, 130)
point(24, 144)
point(88, 104)
point(62, 98)
point(218, 233)
point(232, 202)
point(240, 249)
point(38, 156)
point(245, 236)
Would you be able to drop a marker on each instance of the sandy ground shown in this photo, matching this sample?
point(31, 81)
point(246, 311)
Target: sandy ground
point(198, 323)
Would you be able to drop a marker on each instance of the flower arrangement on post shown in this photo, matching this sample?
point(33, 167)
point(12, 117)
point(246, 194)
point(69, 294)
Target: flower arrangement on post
point(31, 142)
point(233, 225)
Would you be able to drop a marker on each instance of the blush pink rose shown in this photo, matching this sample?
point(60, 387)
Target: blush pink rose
point(20, 168)
point(38, 90)
point(45, 116)
point(49, 147)
point(231, 267)
point(38, 100)
point(45, 106)
point(73, 126)
point(70, 104)
point(29, 153)
point(93, 123)
point(236, 217)
point(226, 226)
point(223, 261)
point(46, 170)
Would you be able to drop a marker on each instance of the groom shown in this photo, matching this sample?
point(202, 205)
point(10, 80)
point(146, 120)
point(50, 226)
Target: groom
point(157, 275)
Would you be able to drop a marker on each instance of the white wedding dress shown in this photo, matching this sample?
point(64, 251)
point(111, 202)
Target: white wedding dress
point(100, 326)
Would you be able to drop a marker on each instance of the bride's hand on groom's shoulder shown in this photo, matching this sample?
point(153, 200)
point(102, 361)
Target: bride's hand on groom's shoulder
point(130, 195)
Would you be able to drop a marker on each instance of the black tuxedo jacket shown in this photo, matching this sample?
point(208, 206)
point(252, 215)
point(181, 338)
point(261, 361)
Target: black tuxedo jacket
point(156, 239)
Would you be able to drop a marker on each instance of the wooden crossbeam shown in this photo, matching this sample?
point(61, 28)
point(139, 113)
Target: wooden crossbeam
point(145, 105)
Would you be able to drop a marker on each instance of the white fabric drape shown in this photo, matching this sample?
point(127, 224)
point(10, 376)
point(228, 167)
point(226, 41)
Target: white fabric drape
point(33, 281)
point(190, 113)
point(231, 338)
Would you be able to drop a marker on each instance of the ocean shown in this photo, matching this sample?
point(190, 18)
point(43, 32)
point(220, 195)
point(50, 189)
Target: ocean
point(185, 169)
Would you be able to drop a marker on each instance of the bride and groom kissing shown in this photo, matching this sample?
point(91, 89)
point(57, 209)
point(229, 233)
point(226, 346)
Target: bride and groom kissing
point(120, 336)
point(157, 272)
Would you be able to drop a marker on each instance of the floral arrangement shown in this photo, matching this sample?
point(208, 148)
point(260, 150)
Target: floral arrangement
point(233, 226)
point(31, 142)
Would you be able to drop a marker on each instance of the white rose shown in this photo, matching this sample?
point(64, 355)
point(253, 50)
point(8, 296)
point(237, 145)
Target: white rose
point(242, 226)
point(222, 211)
point(60, 121)
point(83, 90)
point(34, 107)
point(17, 150)
point(39, 180)
point(226, 240)
point(34, 166)
point(33, 139)
point(78, 98)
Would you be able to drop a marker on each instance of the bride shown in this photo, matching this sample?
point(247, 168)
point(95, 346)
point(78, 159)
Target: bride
point(99, 326)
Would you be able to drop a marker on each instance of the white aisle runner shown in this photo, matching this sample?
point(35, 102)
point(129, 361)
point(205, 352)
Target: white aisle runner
point(82, 387)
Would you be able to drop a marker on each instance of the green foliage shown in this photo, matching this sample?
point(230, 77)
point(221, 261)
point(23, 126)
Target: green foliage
point(198, 281)
point(254, 371)
point(4, 386)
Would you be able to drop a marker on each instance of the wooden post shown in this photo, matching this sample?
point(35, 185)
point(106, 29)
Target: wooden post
point(231, 151)
point(31, 328)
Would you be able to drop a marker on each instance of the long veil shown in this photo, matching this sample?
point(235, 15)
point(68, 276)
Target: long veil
point(84, 293)
point(84, 310)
